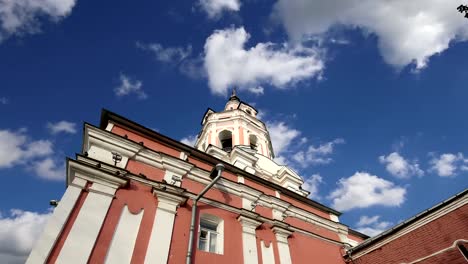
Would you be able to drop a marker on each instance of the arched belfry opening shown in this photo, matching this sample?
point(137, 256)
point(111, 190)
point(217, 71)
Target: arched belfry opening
point(253, 142)
point(225, 137)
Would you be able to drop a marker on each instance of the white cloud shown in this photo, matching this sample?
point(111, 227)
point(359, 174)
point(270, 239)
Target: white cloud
point(407, 31)
point(399, 166)
point(20, 17)
point(128, 86)
point(258, 90)
point(317, 155)
point(311, 184)
point(49, 169)
point(3, 100)
point(363, 190)
point(281, 137)
point(214, 8)
point(18, 233)
point(17, 148)
point(189, 140)
point(227, 62)
point(371, 225)
point(447, 165)
point(168, 54)
point(62, 126)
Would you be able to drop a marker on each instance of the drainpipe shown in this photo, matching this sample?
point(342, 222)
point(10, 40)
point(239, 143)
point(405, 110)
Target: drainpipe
point(219, 167)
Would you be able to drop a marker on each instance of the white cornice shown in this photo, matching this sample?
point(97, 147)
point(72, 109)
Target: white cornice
point(92, 174)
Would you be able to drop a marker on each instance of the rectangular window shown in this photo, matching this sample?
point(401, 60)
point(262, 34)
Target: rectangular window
point(209, 236)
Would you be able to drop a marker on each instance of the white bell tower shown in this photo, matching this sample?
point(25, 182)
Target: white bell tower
point(235, 135)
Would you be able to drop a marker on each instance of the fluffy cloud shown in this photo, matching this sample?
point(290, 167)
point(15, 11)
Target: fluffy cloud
point(168, 54)
point(363, 190)
point(317, 155)
point(311, 184)
point(189, 140)
point(448, 164)
point(214, 8)
point(49, 169)
point(281, 136)
point(19, 17)
point(227, 62)
point(399, 166)
point(371, 225)
point(17, 148)
point(407, 31)
point(128, 86)
point(18, 233)
point(62, 126)
point(293, 150)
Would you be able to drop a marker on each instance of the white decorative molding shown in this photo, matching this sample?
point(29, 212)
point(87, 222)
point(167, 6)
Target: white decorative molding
point(268, 257)
point(83, 234)
point(161, 233)
point(109, 126)
point(249, 241)
point(124, 238)
point(283, 246)
point(56, 222)
point(99, 144)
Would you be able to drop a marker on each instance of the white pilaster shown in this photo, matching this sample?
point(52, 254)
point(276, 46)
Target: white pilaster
point(123, 241)
point(249, 241)
point(283, 246)
point(56, 222)
point(84, 232)
point(161, 233)
point(268, 257)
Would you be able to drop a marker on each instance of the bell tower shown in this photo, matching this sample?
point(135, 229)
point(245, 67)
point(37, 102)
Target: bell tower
point(237, 136)
point(236, 126)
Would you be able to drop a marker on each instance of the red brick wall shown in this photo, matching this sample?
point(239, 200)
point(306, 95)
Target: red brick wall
point(423, 241)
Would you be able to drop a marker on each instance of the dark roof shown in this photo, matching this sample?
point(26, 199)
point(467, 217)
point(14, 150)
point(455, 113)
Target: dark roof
point(408, 222)
point(107, 116)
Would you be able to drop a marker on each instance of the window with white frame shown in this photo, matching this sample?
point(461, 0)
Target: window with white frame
point(210, 235)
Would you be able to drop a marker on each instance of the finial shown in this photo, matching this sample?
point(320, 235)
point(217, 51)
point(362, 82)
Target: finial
point(233, 94)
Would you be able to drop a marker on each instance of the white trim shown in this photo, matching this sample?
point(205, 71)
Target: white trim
point(421, 222)
point(283, 246)
point(124, 238)
point(161, 233)
point(56, 222)
point(109, 126)
point(268, 257)
point(83, 234)
point(249, 240)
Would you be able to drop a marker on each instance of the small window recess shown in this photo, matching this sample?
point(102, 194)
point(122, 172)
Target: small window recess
point(225, 137)
point(210, 233)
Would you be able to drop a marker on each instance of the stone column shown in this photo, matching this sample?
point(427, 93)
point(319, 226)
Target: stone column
point(161, 233)
point(283, 246)
point(249, 241)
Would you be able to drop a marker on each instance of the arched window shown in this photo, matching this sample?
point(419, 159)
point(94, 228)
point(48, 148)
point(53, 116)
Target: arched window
point(225, 137)
point(248, 112)
point(210, 234)
point(253, 142)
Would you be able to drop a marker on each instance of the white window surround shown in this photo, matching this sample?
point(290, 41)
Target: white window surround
point(211, 233)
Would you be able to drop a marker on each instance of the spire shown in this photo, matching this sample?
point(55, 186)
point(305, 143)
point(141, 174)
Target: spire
point(233, 95)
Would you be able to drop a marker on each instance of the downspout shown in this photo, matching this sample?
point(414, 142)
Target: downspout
point(219, 167)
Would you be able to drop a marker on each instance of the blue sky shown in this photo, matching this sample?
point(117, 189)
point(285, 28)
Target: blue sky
point(367, 102)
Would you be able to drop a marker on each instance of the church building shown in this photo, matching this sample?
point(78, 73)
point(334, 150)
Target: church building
point(136, 196)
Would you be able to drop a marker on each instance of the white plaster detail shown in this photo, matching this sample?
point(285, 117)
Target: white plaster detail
point(277, 194)
point(109, 126)
point(161, 233)
point(268, 257)
point(240, 179)
point(334, 218)
point(283, 246)
point(249, 241)
point(83, 234)
point(56, 222)
point(124, 238)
